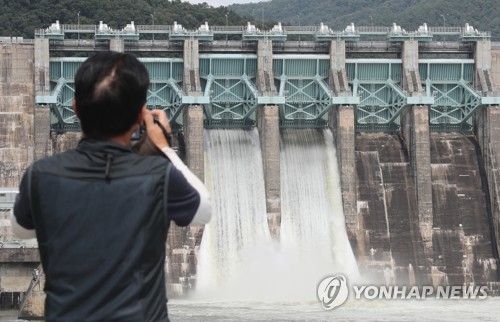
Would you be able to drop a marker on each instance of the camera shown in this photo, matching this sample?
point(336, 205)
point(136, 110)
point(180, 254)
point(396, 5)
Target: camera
point(141, 143)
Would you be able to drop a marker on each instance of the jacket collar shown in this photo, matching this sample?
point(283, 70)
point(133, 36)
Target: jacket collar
point(108, 146)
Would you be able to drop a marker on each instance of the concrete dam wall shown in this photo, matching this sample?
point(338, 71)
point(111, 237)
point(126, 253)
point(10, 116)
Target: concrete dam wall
point(388, 239)
point(420, 207)
point(17, 102)
point(389, 242)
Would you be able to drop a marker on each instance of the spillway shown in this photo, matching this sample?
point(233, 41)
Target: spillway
point(312, 213)
point(237, 256)
point(234, 176)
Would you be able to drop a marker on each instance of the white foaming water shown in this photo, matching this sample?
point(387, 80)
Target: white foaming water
point(312, 218)
point(238, 260)
point(234, 175)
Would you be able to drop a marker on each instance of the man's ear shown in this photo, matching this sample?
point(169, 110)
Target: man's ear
point(140, 117)
point(75, 109)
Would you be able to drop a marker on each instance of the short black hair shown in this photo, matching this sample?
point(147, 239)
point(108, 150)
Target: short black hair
point(110, 90)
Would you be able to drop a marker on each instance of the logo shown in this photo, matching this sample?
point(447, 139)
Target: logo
point(333, 291)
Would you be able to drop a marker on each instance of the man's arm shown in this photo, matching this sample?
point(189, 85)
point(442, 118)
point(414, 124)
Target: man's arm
point(204, 211)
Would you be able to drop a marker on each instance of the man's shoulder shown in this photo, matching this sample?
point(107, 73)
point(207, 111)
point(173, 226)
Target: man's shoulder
point(53, 160)
point(148, 163)
point(81, 160)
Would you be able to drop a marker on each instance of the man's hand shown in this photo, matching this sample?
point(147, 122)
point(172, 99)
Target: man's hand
point(155, 133)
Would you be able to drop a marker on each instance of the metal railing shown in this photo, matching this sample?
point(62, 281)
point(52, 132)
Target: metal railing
point(60, 30)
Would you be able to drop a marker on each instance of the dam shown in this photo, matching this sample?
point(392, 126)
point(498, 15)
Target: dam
point(403, 122)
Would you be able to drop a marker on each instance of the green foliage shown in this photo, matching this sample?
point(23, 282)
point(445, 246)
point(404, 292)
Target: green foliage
point(22, 17)
point(484, 15)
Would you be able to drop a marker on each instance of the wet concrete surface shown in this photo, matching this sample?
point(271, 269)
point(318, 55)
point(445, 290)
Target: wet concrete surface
point(389, 243)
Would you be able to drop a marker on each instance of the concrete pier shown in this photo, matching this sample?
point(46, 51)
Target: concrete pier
point(416, 134)
point(18, 142)
point(42, 87)
point(183, 243)
point(487, 127)
point(43, 146)
point(193, 114)
point(415, 127)
point(342, 123)
point(269, 133)
point(17, 97)
point(117, 45)
point(488, 135)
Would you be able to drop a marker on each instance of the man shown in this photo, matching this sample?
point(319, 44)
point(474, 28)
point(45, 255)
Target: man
point(101, 212)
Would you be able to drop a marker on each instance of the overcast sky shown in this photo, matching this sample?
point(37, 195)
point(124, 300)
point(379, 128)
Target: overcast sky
point(218, 3)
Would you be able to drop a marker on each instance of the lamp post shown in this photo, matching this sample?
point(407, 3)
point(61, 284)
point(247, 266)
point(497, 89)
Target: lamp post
point(298, 18)
point(444, 27)
point(226, 28)
point(371, 20)
point(262, 11)
point(78, 27)
point(153, 18)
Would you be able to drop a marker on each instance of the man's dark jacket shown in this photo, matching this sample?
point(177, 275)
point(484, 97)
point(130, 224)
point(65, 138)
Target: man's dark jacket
point(101, 214)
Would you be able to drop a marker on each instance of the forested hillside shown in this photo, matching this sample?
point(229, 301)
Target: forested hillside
point(484, 15)
point(22, 17)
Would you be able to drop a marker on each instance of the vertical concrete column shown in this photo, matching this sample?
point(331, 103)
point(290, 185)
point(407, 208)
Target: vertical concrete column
point(487, 129)
point(482, 54)
point(191, 82)
point(416, 132)
point(482, 60)
point(183, 242)
point(415, 127)
point(269, 134)
point(42, 132)
point(337, 55)
point(42, 88)
point(341, 122)
point(193, 134)
point(265, 78)
point(495, 66)
point(117, 44)
point(338, 77)
point(411, 79)
point(42, 80)
point(193, 115)
point(17, 96)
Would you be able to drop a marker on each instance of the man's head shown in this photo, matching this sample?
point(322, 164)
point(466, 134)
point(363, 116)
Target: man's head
point(110, 91)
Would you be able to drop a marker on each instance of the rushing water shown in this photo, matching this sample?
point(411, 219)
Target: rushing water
point(312, 218)
point(367, 311)
point(234, 175)
point(238, 259)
